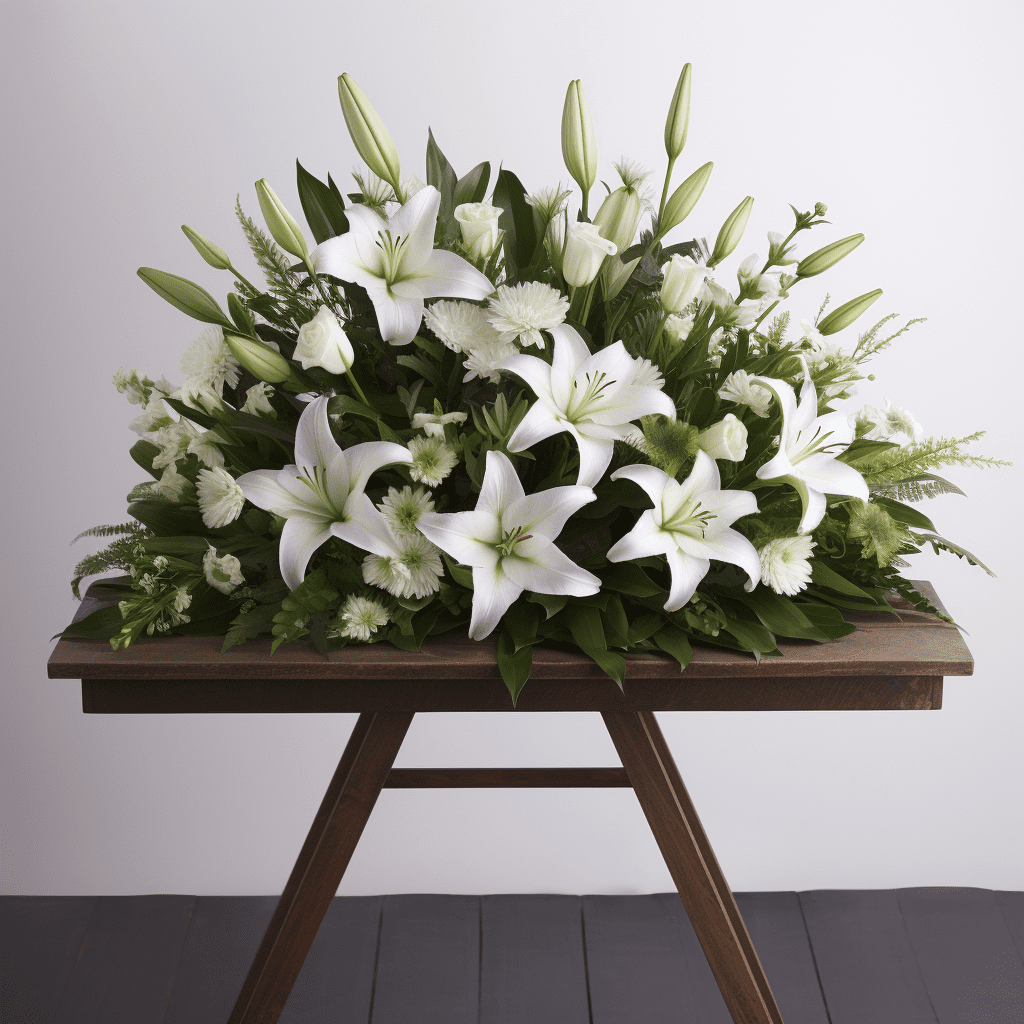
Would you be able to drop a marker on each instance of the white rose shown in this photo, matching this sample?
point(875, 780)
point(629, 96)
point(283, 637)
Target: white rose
point(479, 225)
point(322, 342)
point(683, 280)
point(726, 439)
point(585, 251)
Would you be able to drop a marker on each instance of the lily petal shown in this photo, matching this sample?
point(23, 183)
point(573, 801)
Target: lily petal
point(830, 476)
point(447, 273)
point(500, 488)
point(493, 594)
point(537, 425)
point(301, 536)
point(263, 487)
point(650, 478)
point(366, 458)
point(595, 457)
point(726, 546)
point(399, 317)
point(367, 529)
point(645, 540)
point(535, 372)
point(314, 443)
point(569, 353)
point(686, 572)
point(545, 513)
point(415, 222)
point(543, 569)
point(469, 537)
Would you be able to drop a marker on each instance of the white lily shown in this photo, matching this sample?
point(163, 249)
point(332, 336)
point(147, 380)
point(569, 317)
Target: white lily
point(322, 495)
point(808, 446)
point(690, 524)
point(395, 261)
point(509, 541)
point(593, 397)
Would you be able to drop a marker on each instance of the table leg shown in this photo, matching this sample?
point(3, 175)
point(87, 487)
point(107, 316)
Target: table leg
point(314, 880)
point(692, 864)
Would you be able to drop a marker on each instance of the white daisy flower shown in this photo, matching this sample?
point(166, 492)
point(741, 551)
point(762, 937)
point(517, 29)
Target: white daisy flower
point(223, 573)
point(257, 400)
point(361, 617)
point(403, 508)
point(432, 460)
point(522, 311)
point(739, 389)
point(786, 565)
point(386, 572)
point(220, 497)
point(208, 365)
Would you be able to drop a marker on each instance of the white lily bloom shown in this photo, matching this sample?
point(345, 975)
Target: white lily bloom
point(808, 445)
point(433, 424)
point(522, 311)
point(395, 261)
point(690, 524)
point(322, 495)
point(593, 397)
point(509, 541)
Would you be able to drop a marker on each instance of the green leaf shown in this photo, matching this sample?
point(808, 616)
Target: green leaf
point(185, 295)
point(751, 635)
point(551, 603)
point(101, 624)
point(250, 625)
point(613, 665)
point(627, 578)
point(323, 208)
point(829, 620)
point(144, 452)
point(516, 221)
point(863, 450)
point(616, 625)
point(459, 574)
point(584, 622)
point(781, 616)
point(673, 641)
point(647, 625)
point(442, 176)
point(826, 577)
point(472, 187)
point(941, 544)
point(521, 621)
point(905, 514)
point(514, 664)
point(165, 518)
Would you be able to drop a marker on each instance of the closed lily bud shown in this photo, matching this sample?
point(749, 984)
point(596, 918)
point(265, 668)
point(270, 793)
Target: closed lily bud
point(678, 122)
point(372, 140)
point(259, 359)
point(844, 315)
point(732, 231)
point(322, 342)
point(682, 282)
point(579, 144)
point(619, 217)
point(281, 224)
point(828, 256)
point(585, 251)
point(185, 295)
point(213, 254)
point(478, 223)
point(684, 199)
point(726, 439)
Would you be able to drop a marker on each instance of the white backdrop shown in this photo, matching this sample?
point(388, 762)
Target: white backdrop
point(124, 120)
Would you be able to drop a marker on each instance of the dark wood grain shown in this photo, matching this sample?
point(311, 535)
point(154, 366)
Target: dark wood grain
point(693, 867)
point(532, 964)
point(40, 941)
point(314, 880)
point(505, 778)
point(128, 961)
point(428, 964)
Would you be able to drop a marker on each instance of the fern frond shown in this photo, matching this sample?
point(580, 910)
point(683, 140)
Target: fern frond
point(896, 465)
point(927, 485)
point(941, 544)
point(869, 344)
point(111, 531)
point(776, 333)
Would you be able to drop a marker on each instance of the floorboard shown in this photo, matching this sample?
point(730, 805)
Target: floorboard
point(129, 958)
point(40, 939)
point(858, 935)
point(532, 963)
point(968, 959)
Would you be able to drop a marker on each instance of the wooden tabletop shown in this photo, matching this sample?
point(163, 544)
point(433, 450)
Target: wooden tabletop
point(889, 663)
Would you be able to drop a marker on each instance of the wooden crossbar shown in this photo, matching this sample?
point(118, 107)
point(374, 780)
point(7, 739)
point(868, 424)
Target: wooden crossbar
point(506, 778)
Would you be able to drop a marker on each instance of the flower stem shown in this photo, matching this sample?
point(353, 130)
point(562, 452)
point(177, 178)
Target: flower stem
point(664, 191)
point(358, 390)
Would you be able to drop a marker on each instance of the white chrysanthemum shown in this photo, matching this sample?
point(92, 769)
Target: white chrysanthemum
point(548, 202)
point(361, 617)
point(739, 389)
point(524, 310)
point(208, 364)
point(647, 375)
point(223, 573)
point(173, 442)
point(486, 361)
point(129, 384)
point(786, 564)
point(385, 572)
point(220, 497)
point(172, 486)
point(414, 573)
point(403, 508)
point(257, 400)
point(432, 460)
point(461, 326)
point(204, 447)
point(154, 415)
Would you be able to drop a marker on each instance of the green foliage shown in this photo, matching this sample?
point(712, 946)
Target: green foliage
point(304, 611)
point(117, 555)
point(897, 464)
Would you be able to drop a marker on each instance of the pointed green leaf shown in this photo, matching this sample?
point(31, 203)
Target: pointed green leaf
point(516, 221)
point(673, 641)
point(472, 187)
point(514, 664)
point(322, 206)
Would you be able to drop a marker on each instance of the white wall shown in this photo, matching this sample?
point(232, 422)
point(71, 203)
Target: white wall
point(124, 120)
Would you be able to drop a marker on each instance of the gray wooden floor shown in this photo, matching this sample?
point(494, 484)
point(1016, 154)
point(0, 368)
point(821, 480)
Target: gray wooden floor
point(906, 956)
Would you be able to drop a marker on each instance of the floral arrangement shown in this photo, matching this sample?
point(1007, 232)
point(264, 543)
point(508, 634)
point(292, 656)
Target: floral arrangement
point(515, 416)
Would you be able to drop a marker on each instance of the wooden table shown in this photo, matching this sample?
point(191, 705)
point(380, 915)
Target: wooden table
point(888, 664)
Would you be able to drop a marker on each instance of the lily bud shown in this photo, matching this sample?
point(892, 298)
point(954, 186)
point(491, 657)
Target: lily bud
point(619, 217)
point(732, 231)
point(844, 315)
point(684, 199)
point(726, 439)
point(828, 256)
point(281, 224)
point(683, 280)
point(213, 254)
point(185, 295)
point(372, 140)
point(678, 122)
point(585, 251)
point(579, 144)
point(259, 359)
point(478, 223)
